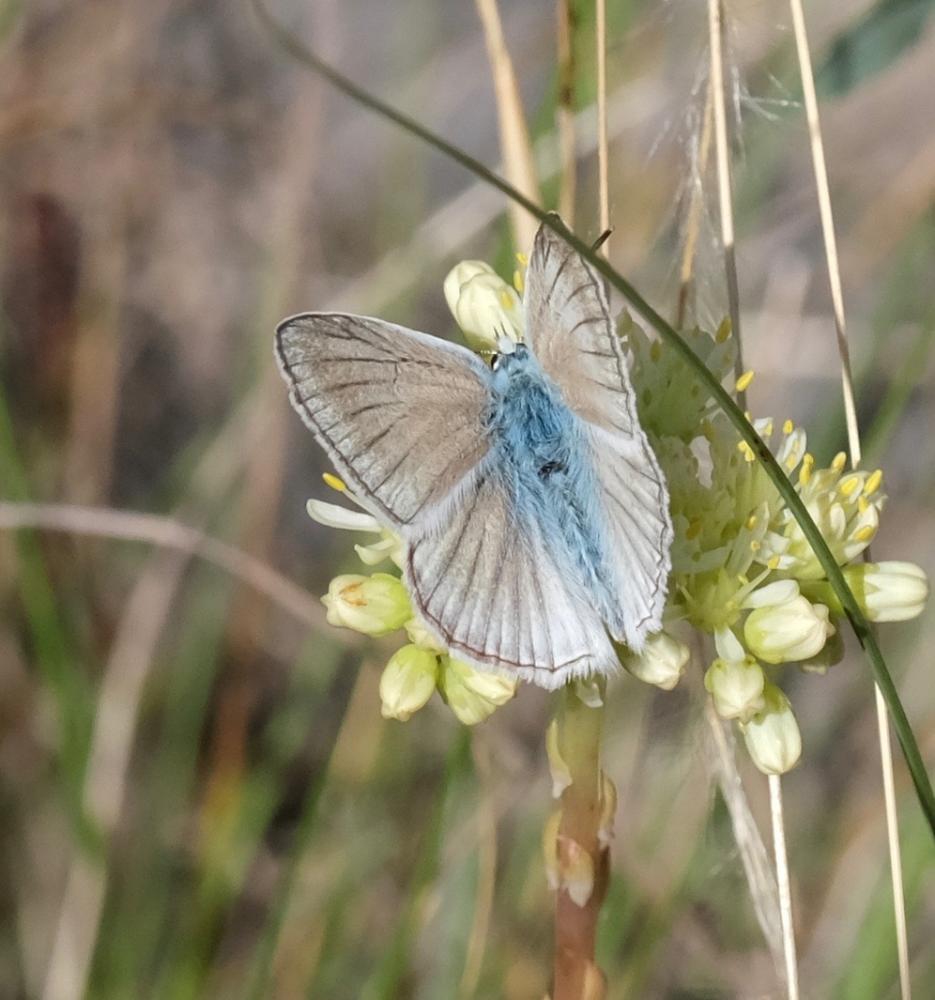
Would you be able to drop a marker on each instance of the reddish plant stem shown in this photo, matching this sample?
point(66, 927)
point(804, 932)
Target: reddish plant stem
point(582, 856)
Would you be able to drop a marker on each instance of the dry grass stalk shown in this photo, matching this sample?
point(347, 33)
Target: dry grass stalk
point(853, 437)
point(785, 889)
point(695, 205)
point(724, 181)
point(565, 110)
point(164, 531)
point(603, 185)
point(125, 676)
point(761, 879)
point(518, 160)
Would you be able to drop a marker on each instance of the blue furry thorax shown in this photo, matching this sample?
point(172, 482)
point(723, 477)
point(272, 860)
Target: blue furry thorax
point(540, 449)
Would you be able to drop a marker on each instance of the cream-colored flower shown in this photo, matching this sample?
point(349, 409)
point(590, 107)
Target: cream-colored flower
point(407, 682)
point(471, 694)
point(483, 305)
point(784, 627)
point(736, 687)
point(661, 662)
point(844, 505)
point(889, 591)
point(772, 735)
point(374, 605)
point(389, 545)
point(421, 636)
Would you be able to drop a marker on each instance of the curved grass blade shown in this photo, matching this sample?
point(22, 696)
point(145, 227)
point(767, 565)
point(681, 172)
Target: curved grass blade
point(861, 627)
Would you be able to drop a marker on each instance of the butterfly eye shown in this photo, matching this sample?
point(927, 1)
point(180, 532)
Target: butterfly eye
point(494, 361)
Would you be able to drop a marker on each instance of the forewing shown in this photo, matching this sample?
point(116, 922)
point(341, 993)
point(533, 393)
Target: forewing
point(400, 414)
point(490, 588)
point(571, 333)
point(570, 330)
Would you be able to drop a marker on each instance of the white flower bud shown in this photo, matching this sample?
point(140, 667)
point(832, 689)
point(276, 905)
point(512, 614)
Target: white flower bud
point(736, 686)
point(407, 682)
point(889, 591)
point(483, 305)
point(772, 735)
point(374, 605)
point(661, 662)
point(420, 635)
point(787, 632)
point(471, 694)
point(828, 656)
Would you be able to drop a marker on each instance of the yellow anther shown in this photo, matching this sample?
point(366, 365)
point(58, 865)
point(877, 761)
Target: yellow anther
point(519, 282)
point(751, 522)
point(723, 331)
point(767, 430)
point(755, 546)
point(788, 427)
point(839, 461)
point(506, 300)
point(773, 563)
point(334, 482)
point(655, 351)
point(805, 472)
point(874, 482)
point(744, 381)
point(849, 485)
point(522, 258)
point(863, 505)
point(865, 533)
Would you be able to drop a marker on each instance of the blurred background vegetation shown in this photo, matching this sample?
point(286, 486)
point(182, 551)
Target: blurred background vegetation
point(199, 796)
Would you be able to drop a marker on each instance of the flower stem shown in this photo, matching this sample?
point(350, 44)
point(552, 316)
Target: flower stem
point(583, 856)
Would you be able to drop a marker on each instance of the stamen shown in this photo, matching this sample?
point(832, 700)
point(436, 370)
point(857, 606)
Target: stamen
point(874, 482)
point(743, 383)
point(805, 472)
point(849, 485)
point(334, 482)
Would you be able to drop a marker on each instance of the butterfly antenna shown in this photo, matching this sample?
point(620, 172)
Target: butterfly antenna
point(602, 239)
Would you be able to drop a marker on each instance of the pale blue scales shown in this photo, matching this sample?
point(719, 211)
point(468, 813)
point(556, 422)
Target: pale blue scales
point(540, 451)
point(533, 511)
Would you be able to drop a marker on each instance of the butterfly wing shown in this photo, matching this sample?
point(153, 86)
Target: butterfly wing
point(490, 588)
point(571, 333)
point(399, 413)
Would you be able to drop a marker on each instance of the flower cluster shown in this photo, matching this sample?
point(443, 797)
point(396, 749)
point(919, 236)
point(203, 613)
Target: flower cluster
point(742, 570)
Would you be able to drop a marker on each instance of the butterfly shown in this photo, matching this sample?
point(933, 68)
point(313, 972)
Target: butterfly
point(532, 508)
